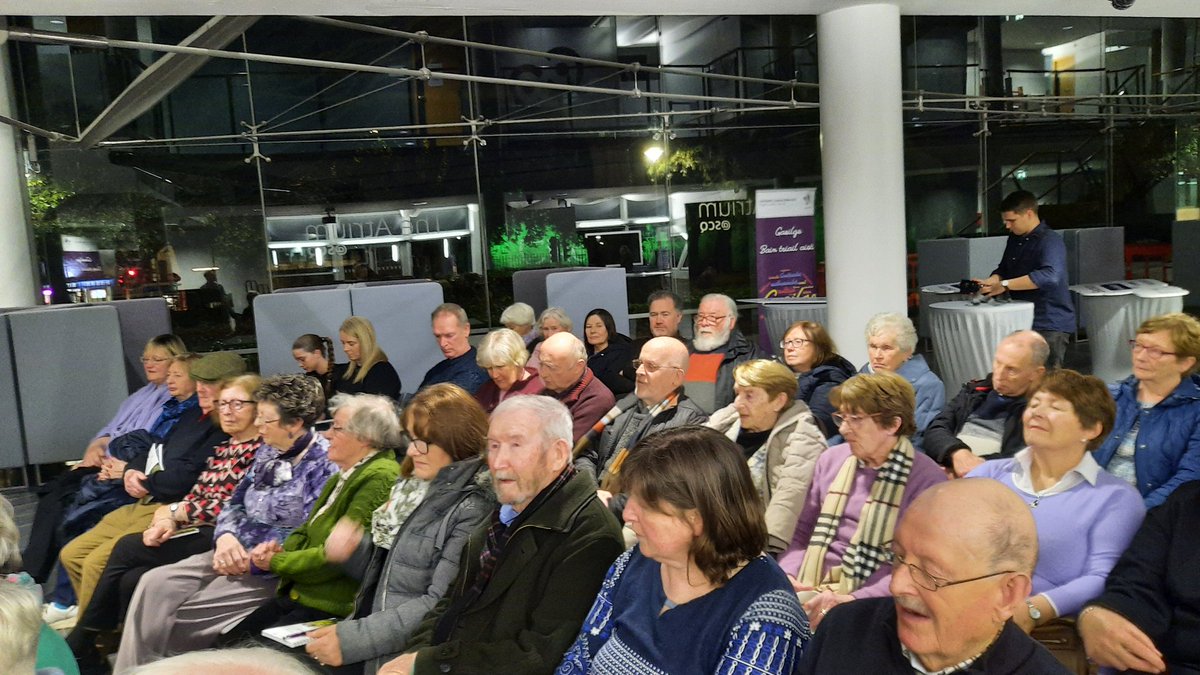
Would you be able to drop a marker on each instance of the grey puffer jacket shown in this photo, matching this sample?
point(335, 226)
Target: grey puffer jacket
point(404, 583)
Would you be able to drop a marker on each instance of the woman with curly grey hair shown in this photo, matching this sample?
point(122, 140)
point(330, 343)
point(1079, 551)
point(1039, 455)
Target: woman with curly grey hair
point(184, 606)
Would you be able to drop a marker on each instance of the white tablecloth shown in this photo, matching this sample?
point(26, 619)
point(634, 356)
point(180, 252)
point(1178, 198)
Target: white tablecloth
point(1112, 312)
point(965, 337)
point(779, 313)
point(936, 293)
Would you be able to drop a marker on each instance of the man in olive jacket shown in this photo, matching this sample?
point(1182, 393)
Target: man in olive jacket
point(530, 575)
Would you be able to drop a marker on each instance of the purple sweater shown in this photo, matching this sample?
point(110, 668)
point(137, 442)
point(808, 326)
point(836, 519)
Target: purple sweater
point(139, 411)
point(925, 473)
point(1081, 533)
point(259, 511)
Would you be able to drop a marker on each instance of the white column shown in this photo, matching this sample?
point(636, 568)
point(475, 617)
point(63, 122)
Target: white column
point(17, 254)
point(862, 168)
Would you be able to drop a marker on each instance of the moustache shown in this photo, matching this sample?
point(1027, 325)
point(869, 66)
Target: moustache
point(912, 604)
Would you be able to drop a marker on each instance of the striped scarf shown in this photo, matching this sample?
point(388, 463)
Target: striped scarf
point(869, 547)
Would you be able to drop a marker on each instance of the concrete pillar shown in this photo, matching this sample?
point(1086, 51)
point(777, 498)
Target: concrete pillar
point(17, 255)
point(862, 167)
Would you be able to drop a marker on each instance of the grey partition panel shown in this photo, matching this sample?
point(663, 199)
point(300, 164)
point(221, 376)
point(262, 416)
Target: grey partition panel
point(947, 261)
point(1094, 254)
point(400, 314)
point(529, 286)
point(12, 451)
point(1185, 251)
point(70, 377)
point(303, 289)
point(280, 318)
point(581, 291)
point(140, 320)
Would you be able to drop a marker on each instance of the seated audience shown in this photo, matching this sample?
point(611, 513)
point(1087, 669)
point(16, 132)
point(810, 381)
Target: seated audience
point(1155, 442)
point(891, 339)
point(609, 352)
point(717, 348)
point(567, 378)
point(963, 555)
point(167, 540)
point(365, 427)
point(984, 420)
point(502, 356)
point(1148, 617)
point(810, 353)
point(185, 605)
point(553, 320)
point(859, 488)
point(519, 317)
point(139, 412)
point(657, 403)
point(698, 571)
point(413, 550)
point(368, 370)
point(160, 475)
point(52, 654)
point(314, 354)
point(452, 330)
point(1085, 516)
point(528, 578)
point(778, 438)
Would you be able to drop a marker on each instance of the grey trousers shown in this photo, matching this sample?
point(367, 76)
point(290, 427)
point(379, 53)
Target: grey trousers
point(184, 607)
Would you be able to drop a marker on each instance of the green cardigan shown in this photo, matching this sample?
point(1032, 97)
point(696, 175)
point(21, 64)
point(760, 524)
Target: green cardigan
point(304, 575)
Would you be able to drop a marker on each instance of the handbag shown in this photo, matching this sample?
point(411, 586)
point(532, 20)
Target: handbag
point(1060, 637)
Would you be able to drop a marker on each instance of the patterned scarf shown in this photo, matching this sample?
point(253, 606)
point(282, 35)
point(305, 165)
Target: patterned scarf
point(611, 478)
point(498, 535)
point(172, 408)
point(278, 471)
point(869, 546)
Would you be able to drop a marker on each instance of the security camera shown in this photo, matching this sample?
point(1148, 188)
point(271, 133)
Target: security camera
point(1122, 4)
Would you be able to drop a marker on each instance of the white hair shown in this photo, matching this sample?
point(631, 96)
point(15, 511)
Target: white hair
point(554, 420)
point(501, 347)
point(10, 538)
point(517, 314)
point(729, 303)
point(889, 322)
point(20, 624)
point(373, 418)
point(244, 661)
point(559, 314)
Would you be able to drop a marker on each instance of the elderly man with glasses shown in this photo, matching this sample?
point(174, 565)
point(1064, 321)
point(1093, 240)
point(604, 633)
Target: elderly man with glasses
point(657, 403)
point(963, 556)
point(716, 349)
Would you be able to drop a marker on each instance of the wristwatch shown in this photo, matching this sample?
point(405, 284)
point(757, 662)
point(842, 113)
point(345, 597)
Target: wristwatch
point(1004, 283)
point(1034, 612)
point(174, 509)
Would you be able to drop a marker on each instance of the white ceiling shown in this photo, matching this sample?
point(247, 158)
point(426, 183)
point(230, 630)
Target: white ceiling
point(1145, 8)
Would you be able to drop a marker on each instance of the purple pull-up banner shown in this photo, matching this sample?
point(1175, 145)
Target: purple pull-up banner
point(784, 251)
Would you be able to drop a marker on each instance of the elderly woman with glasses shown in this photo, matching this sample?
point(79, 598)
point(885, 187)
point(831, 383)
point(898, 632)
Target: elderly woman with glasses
point(503, 355)
point(1155, 442)
point(412, 552)
point(779, 439)
point(184, 606)
point(180, 529)
point(1085, 516)
point(840, 549)
point(809, 351)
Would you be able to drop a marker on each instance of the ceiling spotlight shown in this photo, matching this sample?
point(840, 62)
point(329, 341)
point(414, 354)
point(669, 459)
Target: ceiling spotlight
point(1122, 4)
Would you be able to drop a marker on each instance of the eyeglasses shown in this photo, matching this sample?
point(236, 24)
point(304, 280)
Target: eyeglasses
point(1152, 352)
point(234, 405)
point(146, 360)
point(711, 318)
point(651, 368)
point(793, 343)
point(931, 583)
point(421, 447)
point(850, 420)
point(260, 422)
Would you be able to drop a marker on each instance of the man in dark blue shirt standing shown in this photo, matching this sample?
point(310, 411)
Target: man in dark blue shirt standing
point(1034, 268)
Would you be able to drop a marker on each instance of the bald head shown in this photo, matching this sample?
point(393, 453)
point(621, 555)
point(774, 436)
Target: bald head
point(664, 364)
point(562, 361)
point(1019, 363)
point(986, 518)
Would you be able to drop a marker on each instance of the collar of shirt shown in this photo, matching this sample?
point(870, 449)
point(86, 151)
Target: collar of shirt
point(1086, 470)
point(918, 667)
point(508, 514)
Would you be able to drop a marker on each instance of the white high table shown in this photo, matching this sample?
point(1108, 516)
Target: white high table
point(936, 293)
point(779, 313)
point(1112, 312)
point(965, 336)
